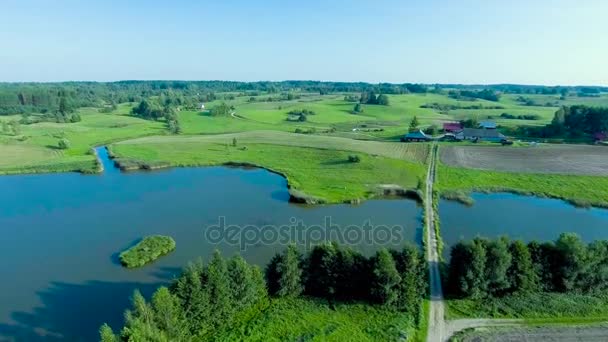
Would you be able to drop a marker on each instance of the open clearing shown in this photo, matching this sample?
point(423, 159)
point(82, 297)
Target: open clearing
point(411, 152)
point(555, 159)
point(554, 334)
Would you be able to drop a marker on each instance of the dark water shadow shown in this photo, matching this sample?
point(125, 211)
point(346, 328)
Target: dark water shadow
point(115, 257)
point(166, 274)
point(74, 312)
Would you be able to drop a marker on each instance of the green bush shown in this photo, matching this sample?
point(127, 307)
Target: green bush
point(353, 158)
point(63, 144)
point(147, 250)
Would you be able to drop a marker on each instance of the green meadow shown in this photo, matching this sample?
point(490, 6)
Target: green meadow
point(35, 147)
point(324, 173)
point(315, 320)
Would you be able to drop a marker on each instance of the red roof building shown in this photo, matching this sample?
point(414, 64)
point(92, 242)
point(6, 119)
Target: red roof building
point(452, 127)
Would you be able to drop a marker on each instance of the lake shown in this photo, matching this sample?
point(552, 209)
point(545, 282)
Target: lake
point(62, 233)
point(520, 217)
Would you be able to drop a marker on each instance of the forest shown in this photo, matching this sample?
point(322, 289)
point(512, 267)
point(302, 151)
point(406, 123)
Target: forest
point(19, 98)
point(226, 293)
point(570, 121)
point(484, 268)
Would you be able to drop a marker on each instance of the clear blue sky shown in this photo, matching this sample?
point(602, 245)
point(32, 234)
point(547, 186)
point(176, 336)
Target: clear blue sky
point(447, 41)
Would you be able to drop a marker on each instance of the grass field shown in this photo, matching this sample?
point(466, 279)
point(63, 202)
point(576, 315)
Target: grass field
point(321, 173)
point(34, 149)
point(535, 307)
point(312, 320)
point(580, 190)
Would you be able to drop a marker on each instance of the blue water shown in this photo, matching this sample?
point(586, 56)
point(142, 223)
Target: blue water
point(61, 234)
point(520, 217)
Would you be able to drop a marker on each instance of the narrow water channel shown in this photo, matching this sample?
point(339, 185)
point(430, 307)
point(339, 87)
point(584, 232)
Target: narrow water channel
point(519, 217)
point(61, 234)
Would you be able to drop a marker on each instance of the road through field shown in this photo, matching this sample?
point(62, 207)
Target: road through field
point(436, 316)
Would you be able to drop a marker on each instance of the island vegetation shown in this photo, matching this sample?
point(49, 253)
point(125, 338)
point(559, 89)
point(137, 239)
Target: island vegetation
point(147, 250)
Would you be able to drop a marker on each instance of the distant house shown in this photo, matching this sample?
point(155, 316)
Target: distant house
point(487, 125)
point(480, 134)
point(416, 136)
point(452, 127)
point(202, 106)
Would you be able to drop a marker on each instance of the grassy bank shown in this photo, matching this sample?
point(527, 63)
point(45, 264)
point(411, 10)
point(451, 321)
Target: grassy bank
point(579, 190)
point(320, 173)
point(315, 320)
point(147, 250)
point(35, 149)
point(534, 307)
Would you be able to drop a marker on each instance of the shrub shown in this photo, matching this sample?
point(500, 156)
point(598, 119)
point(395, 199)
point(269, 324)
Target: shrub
point(63, 144)
point(353, 158)
point(147, 250)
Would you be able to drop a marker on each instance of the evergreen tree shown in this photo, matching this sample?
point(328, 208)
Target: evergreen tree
point(476, 275)
point(290, 273)
point(218, 289)
point(273, 275)
point(414, 124)
point(242, 288)
point(358, 108)
point(168, 315)
point(106, 334)
point(385, 286)
point(411, 268)
point(572, 253)
point(497, 266)
point(320, 271)
point(522, 275)
point(194, 299)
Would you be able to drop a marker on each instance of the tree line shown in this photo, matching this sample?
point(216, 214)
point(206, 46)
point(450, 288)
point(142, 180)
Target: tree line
point(571, 122)
point(19, 98)
point(393, 278)
point(153, 110)
point(207, 299)
point(483, 268)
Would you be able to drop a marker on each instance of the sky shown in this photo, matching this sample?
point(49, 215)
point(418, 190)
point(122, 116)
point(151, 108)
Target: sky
point(550, 42)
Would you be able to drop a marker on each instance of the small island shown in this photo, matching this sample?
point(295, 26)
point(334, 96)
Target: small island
point(147, 250)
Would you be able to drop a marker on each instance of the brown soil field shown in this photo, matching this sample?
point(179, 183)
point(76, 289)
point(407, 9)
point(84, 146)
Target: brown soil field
point(540, 334)
point(558, 159)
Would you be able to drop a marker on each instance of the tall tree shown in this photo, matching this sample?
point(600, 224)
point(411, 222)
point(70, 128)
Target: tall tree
point(498, 262)
point(414, 123)
point(218, 289)
point(385, 285)
point(522, 275)
point(572, 252)
point(290, 280)
point(383, 100)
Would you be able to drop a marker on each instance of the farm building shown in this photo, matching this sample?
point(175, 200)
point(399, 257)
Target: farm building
point(480, 134)
point(452, 127)
point(487, 125)
point(416, 136)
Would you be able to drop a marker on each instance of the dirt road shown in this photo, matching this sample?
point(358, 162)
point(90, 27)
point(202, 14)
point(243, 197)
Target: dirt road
point(436, 316)
point(590, 333)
